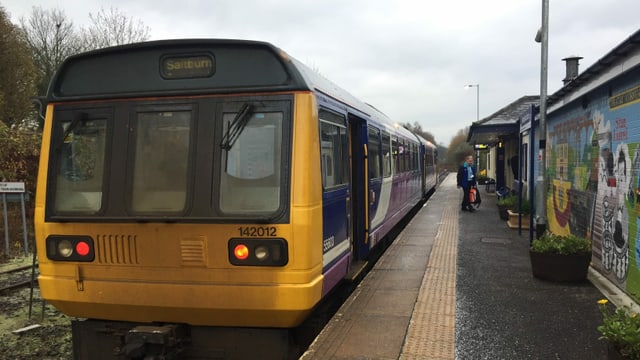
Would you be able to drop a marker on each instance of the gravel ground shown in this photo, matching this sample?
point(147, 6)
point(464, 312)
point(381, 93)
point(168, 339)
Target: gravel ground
point(51, 340)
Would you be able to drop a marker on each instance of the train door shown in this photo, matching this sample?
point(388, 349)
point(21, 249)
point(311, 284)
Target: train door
point(424, 154)
point(336, 184)
point(359, 188)
point(345, 225)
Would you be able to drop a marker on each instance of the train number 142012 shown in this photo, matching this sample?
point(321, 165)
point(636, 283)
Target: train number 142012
point(256, 231)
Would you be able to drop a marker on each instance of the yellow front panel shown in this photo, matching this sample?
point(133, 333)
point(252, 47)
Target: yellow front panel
point(181, 272)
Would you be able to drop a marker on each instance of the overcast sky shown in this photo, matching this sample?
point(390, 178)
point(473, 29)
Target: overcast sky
point(409, 58)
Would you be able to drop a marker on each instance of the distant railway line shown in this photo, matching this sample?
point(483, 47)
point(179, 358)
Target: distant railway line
point(17, 278)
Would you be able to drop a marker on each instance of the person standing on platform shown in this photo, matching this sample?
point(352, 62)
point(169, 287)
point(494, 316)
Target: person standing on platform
point(466, 179)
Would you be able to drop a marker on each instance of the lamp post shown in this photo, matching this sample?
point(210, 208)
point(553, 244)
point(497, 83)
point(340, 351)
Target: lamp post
point(541, 182)
point(477, 86)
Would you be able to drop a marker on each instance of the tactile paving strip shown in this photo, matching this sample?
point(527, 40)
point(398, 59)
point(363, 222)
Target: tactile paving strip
point(431, 333)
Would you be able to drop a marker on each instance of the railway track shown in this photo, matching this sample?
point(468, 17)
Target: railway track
point(17, 278)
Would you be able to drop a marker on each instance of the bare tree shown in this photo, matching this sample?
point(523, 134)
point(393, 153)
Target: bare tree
point(112, 28)
point(51, 37)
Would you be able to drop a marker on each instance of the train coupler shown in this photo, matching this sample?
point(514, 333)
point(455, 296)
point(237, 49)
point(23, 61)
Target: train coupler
point(154, 342)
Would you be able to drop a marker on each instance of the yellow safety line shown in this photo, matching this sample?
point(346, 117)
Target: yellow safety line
point(431, 333)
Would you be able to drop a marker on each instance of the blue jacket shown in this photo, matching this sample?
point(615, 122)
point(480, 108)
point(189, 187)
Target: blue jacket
point(463, 175)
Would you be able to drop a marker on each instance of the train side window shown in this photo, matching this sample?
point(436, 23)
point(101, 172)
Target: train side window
point(374, 153)
point(407, 156)
point(332, 171)
point(395, 151)
point(416, 157)
point(410, 156)
point(403, 155)
point(160, 163)
point(400, 157)
point(334, 150)
point(412, 159)
point(386, 154)
point(344, 151)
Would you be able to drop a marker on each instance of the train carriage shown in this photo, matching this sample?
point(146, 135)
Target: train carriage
point(188, 186)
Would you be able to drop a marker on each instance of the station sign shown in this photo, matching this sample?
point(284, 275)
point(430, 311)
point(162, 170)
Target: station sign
point(12, 192)
point(12, 187)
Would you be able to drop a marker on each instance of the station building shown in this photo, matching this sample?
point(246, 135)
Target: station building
point(592, 153)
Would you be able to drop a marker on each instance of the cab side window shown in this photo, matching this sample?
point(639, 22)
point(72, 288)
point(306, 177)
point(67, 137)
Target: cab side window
point(334, 150)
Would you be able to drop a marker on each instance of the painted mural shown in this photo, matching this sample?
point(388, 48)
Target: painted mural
point(594, 180)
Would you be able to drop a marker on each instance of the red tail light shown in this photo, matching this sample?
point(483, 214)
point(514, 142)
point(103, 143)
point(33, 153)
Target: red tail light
point(241, 252)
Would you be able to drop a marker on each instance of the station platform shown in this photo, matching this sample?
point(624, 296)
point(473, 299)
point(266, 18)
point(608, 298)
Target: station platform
point(458, 285)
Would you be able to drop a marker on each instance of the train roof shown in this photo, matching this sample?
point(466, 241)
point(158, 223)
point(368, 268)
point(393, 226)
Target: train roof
point(174, 67)
point(425, 142)
point(326, 87)
point(194, 66)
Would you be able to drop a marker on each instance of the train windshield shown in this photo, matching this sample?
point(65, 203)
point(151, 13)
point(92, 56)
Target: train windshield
point(252, 162)
point(202, 159)
point(160, 161)
point(80, 159)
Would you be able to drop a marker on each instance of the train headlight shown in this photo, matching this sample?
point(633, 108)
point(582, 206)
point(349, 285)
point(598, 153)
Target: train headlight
point(70, 248)
point(262, 252)
point(65, 248)
point(258, 252)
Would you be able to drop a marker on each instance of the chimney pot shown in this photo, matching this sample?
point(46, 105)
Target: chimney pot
point(572, 64)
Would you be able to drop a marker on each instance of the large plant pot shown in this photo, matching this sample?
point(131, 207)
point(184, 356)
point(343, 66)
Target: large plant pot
point(502, 210)
point(613, 353)
point(512, 220)
point(556, 267)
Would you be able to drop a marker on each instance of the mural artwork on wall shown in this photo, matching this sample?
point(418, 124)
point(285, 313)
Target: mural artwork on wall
point(612, 190)
point(594, 182)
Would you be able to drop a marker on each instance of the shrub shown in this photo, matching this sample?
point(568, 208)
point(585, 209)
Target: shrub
point(561, 244)
point(622, 329)
point(511, 203)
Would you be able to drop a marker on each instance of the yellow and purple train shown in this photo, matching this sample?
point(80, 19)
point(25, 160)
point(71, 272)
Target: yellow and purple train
point(192, 188)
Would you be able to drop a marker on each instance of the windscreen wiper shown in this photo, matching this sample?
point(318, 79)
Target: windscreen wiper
point(79, 116)
point(236, 127)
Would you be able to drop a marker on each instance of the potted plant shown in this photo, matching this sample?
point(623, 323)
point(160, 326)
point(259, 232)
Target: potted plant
point(516, 212)
point(560, 257)
point(506, 203)
point(621, 329)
